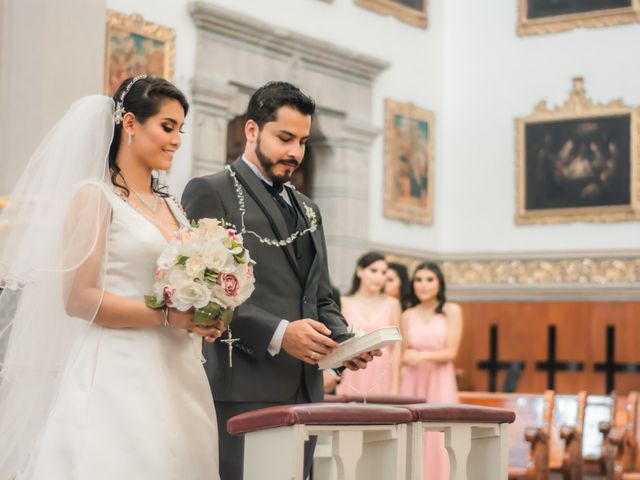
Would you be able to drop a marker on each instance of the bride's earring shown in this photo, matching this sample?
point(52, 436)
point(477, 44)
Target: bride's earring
point(129, 141)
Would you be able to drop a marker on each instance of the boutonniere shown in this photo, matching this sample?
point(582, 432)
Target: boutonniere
point(311, 214)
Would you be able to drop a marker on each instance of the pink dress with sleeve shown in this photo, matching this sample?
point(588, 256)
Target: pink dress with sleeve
point(377, 377)
point(433, 381)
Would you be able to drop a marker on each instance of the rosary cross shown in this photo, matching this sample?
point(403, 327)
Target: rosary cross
point(230, 341)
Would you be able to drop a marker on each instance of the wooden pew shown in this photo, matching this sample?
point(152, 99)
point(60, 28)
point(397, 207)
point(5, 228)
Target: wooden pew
point(547, 434)
point(598, 413)
point(567, 434)
point(620, 445)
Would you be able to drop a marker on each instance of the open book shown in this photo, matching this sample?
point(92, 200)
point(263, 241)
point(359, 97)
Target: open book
point(355, 346)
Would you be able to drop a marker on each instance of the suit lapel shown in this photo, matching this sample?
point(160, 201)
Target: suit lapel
point(298, 205)
point(252, 186)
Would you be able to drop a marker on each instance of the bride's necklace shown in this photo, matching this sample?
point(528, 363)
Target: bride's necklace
point(308, 211)
point(170, 231)
point(153, 206)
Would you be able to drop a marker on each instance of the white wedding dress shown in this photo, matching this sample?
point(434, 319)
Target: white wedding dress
point(135, 403)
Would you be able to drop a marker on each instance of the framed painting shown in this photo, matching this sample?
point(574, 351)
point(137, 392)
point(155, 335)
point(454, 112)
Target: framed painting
point(578, 162)
point(549, 16)
point(409, 151)
point(135, 47)
point(413, 12)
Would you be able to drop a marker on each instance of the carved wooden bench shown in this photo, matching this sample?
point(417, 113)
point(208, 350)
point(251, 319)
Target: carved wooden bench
point(620, 445)
point(598, 413)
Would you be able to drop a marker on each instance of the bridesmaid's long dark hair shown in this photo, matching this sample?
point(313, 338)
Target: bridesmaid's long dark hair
point(441, 296)
point(363, 262)
point(405, 284)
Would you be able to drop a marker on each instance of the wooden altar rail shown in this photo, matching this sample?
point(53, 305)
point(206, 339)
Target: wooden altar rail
point(373, 441)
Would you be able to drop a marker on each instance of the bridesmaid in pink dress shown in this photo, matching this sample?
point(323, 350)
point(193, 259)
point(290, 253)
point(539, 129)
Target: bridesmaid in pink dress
point(431, 337)
point(367, 309)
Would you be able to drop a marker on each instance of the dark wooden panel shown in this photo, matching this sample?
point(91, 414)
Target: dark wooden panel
point(523, 329)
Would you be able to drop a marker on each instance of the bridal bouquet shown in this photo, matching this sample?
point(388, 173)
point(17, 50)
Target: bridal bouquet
point(205, 267)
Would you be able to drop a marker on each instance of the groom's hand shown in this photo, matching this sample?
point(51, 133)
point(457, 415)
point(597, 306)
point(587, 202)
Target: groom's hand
point(307, 340)
point(361, 361)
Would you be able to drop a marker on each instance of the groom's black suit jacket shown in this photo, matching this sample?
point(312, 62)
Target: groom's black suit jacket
point(283, 291)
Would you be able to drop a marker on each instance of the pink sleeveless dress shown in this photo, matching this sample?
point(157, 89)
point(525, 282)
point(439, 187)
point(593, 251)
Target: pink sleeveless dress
point(433, 381)
point(377, 377)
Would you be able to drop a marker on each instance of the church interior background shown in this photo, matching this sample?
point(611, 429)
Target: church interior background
point(499, 138)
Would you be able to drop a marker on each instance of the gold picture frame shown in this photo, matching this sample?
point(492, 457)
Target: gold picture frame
point(135, 47)
point(409, 159)
point(416, 16)
point(532, 23)
point(578, 162)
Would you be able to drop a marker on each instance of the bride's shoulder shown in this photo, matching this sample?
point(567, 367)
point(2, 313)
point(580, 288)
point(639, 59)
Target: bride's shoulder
point(87, 190)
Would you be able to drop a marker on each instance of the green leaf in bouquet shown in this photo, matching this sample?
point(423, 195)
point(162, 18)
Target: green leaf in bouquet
point(194, 223)
point(182, 260)
point(208, 313)
point(227, 316)
point(152, 302)
point(211, 275)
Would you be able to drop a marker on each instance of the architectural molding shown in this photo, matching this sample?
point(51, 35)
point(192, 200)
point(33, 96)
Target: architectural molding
point(532, 275)
point(231, 26)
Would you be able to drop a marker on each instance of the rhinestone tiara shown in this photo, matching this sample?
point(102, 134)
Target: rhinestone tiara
point(120, 111)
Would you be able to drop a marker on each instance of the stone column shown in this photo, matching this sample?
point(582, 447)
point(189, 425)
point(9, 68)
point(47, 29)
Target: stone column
point(214, 104)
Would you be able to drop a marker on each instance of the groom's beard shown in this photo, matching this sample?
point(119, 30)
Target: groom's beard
point(268, 165)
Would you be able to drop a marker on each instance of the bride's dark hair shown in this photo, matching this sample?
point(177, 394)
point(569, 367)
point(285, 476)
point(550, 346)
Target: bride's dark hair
point(144, 99)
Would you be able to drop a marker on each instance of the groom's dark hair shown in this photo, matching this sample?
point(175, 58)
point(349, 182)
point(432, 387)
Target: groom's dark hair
point(265, 102)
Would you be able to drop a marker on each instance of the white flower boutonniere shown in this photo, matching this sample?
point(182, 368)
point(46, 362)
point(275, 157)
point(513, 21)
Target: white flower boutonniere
point(311, 214)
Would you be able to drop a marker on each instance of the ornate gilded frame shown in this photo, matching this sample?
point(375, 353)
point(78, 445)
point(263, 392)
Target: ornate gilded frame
point(579, 107)
point(136, 25)
point(417, 18)
point(561, 23)
point(409, 211)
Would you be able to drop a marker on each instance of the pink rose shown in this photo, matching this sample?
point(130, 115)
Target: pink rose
point(167, 294)
point(229, 283)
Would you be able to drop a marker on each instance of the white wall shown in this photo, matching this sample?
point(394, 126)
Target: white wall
point(477, 75)
point(492, 76)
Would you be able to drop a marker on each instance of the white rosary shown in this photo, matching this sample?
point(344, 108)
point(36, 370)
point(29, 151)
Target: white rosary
point(310, 213)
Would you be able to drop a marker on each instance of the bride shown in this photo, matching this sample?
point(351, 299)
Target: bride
point(95, 385)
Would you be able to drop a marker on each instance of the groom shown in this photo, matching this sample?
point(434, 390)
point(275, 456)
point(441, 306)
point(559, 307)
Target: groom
point(290, 322)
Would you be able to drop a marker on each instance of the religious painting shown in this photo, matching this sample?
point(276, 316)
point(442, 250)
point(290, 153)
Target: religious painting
point(578, 162)
point(548, 16)
point(135, 47)
point(413, 12)
point(409, 150)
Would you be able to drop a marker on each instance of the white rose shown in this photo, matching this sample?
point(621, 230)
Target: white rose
point(191, 294)
point(168, 258)
point(212, 229)
point(216, 257)
point(192, 247)
point(195, 267)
